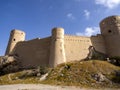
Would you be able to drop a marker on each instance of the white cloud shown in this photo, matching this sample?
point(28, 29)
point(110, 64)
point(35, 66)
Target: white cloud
point(87, 14)
point(108, 3)
point(89, 31)
point(70, 16)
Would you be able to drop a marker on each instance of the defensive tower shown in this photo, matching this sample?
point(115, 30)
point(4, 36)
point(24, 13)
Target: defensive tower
point(110, 29)
point(57, 51)
point(15, 37)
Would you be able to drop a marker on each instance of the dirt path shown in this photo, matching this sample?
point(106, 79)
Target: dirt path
point(42, 87)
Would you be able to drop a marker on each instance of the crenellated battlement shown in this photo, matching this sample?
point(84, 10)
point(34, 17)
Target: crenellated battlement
point(76, 38)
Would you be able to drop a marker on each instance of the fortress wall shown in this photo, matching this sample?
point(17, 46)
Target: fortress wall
point(76, 47)
point(15, 37)
point(110, 29)
point(98, 43)
point(113, 45)
point(34, 52)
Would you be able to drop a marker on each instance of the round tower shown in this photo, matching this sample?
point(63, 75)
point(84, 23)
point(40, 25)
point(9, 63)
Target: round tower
point(110, 29)
point(15, 37)
point(57, 51)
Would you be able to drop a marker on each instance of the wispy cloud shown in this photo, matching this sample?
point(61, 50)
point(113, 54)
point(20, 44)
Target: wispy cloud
point(108, 3)
point(89, 31)
point(87, 14)
point(70, 16)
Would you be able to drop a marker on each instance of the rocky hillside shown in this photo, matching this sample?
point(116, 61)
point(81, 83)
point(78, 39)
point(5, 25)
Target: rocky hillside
point(86, 74)
point(93, 73)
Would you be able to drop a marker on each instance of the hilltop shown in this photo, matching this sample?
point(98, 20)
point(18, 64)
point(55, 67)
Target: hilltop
point(93, 73)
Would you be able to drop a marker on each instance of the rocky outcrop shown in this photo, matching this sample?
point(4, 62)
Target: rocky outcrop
point(8, 64)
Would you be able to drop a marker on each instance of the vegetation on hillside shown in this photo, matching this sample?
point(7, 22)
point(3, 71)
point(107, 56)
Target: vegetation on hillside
point(93, 73)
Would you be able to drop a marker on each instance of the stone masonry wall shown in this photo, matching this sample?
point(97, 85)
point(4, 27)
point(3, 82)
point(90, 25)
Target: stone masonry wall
point(34, 52)
point(58, 48)
point(15, 37)
point(110, 29)
point(98, 43)
point(76, 47)
point(113, 45)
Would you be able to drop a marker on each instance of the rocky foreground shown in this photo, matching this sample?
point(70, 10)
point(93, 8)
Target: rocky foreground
point(83, 74)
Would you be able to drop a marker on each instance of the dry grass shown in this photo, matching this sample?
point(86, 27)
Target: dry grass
point(79, 74)
point(72, 74)
point(13, 78)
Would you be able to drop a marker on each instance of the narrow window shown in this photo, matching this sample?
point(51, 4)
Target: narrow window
point(13, 39)
point(109, 31)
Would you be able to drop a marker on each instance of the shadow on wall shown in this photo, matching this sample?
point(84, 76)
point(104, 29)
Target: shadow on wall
point(94, 54)
point(98, 49)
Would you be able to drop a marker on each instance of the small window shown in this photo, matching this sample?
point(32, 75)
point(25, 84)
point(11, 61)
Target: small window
point(109, 31)
point(13, 39)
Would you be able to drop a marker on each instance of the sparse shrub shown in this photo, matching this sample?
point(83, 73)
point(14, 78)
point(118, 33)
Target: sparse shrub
point(42, 69)
point(116, 77)
point(115, 60)
point(34, 72)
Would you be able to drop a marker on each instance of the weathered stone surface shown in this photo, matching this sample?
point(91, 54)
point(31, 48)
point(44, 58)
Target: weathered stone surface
point(43, 77)
point(99, 77)
point(8, 64)
point(6, 60)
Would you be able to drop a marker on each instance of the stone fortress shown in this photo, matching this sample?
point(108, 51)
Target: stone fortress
point(59, 48)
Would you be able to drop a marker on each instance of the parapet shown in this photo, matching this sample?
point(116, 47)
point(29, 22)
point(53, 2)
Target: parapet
point(18, 31)
point(110, 18)
point(17, 35)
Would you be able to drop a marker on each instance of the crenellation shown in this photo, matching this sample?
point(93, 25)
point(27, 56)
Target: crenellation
point(73, 36)
point(76, 38)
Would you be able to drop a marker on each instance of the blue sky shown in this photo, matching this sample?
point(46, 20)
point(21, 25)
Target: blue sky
point(38, 17)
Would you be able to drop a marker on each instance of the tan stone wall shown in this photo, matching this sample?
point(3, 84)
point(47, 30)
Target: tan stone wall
point(34, 52)
point(99, 43)
point(57, 50)
point(76, 47)
point(110, 29)
point(113, 45)
point(110, 26)
point(15, 37)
